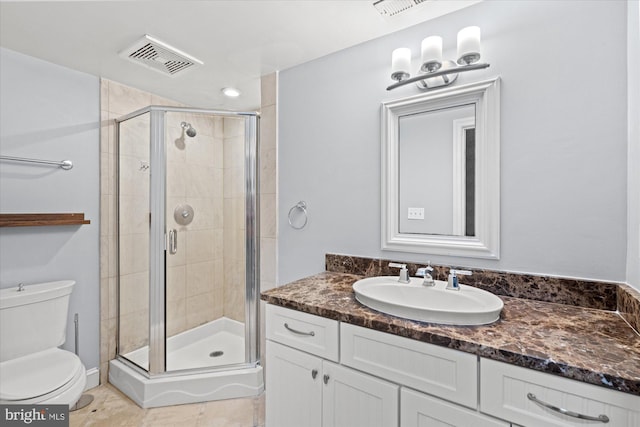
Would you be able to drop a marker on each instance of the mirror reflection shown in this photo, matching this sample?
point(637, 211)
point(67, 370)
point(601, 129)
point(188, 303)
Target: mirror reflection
point(436, 171)
point(441, 172)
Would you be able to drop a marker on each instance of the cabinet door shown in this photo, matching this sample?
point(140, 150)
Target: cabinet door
point(354, 399)
point(420, 410)
point(294, 388)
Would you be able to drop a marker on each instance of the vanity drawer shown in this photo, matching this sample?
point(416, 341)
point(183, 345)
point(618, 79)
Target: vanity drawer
point(417, 410)
point(448, 374)
point(504, 389)
point(313, 334)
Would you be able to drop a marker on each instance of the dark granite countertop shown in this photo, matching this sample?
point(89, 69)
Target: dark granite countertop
point(584, 344)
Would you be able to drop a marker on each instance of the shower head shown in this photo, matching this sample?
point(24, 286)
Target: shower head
point(189, 130)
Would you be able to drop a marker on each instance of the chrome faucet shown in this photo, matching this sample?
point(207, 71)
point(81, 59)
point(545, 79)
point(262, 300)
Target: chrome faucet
point(404, 273)
point(452, 283)
point(427, 273)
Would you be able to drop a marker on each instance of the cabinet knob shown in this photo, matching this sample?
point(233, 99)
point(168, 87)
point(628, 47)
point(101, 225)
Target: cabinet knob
point(325, 378)
point(314, 374)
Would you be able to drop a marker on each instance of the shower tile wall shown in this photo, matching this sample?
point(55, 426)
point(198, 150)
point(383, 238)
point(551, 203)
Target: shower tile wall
point(234, 219)
point(188, 307)
point(134, 232)
point(195, 171)
point(268, 155)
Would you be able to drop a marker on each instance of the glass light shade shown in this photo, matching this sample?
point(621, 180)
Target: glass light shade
point(431, 53)
point(468, 45)
point(401, 63)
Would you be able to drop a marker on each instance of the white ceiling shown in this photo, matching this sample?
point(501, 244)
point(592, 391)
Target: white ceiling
point(238, 40)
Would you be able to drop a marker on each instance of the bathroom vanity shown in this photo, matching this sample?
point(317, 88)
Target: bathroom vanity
point(334, 362)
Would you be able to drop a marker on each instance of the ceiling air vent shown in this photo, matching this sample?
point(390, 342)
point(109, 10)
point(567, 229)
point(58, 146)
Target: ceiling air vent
point(393, 7)
point(159, 56)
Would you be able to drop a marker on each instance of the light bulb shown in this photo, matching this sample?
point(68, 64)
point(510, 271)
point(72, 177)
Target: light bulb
point(231, 92)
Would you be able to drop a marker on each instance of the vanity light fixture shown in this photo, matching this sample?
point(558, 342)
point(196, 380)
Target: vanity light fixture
point(231, 92)
point(434, 72)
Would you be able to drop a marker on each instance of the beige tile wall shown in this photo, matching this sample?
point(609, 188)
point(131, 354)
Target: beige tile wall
point(195, 285)
point(268, 156)
point(134, 231)
point(195, 279)
point(234, 219)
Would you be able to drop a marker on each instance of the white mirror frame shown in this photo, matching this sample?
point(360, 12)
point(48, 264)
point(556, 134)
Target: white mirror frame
point(485, 96)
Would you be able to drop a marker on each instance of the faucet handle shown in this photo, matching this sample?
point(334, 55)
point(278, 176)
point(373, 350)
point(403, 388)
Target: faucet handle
point(452, 283)
point(404, 273)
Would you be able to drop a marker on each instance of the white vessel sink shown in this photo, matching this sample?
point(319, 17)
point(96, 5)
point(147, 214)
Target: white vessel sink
point(435, 304)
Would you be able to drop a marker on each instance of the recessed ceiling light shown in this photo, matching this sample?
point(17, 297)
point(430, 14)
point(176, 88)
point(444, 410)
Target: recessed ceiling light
point(231, 92)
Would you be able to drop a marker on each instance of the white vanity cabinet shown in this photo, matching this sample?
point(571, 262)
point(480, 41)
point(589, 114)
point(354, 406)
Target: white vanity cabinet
point(428, 374)
point(307, 390)
point(312, 334)
point(439, 371)
point(421, 410)
point(525, 397)
point(294, 384)
point(323, 373)
point(353, 399)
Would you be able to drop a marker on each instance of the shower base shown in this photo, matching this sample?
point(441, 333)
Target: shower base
point(215, 344)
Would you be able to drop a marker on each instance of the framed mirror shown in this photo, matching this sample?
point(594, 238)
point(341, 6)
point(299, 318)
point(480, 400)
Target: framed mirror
point(441, 172)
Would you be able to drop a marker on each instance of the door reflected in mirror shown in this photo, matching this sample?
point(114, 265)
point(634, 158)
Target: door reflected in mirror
point(436, 171)
point(441, 172)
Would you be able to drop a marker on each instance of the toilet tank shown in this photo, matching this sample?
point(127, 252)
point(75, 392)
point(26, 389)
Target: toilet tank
point(33, 319)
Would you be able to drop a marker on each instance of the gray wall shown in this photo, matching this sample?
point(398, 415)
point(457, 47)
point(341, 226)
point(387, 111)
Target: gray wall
point(564, 140)
point(633, 77)
point(51, 112)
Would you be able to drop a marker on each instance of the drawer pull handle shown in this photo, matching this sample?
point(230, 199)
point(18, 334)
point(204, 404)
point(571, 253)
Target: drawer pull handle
point(314, 374)
point(533, 398)
point(325, 378)
point(289, 328)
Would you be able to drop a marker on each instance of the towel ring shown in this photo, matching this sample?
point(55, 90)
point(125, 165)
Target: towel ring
point(301, 205)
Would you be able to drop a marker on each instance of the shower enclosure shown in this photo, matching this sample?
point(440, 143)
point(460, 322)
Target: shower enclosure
point(187, 218)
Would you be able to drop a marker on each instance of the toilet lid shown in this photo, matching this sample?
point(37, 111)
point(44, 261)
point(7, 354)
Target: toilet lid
point(37, 374)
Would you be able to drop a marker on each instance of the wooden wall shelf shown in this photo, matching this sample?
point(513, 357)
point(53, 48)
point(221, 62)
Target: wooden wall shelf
point(42, 219)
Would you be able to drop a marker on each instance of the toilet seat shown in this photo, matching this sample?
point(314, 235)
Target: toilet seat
point(49, 376)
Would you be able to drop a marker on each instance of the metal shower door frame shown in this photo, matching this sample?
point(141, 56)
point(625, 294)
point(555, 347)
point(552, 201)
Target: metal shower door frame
point(159, 234)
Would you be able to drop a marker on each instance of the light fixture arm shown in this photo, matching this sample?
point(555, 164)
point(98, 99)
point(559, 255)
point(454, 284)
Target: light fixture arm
point(438, 73)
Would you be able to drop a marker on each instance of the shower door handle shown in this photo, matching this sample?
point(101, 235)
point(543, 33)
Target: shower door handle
point(173, 241)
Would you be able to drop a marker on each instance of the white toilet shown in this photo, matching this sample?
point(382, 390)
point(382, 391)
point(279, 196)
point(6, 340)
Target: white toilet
point(33, 323)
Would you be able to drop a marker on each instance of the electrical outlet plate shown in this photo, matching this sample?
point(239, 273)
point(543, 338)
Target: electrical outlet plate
point(415, 213)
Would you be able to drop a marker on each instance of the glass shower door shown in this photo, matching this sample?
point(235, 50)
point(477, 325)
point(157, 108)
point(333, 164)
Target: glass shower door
point(133, 219)
point(205, 275)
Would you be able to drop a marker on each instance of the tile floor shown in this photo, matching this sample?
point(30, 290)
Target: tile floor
point(110, 408)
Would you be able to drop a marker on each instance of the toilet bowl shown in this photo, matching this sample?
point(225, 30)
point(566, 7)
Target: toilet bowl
point(33, 370)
